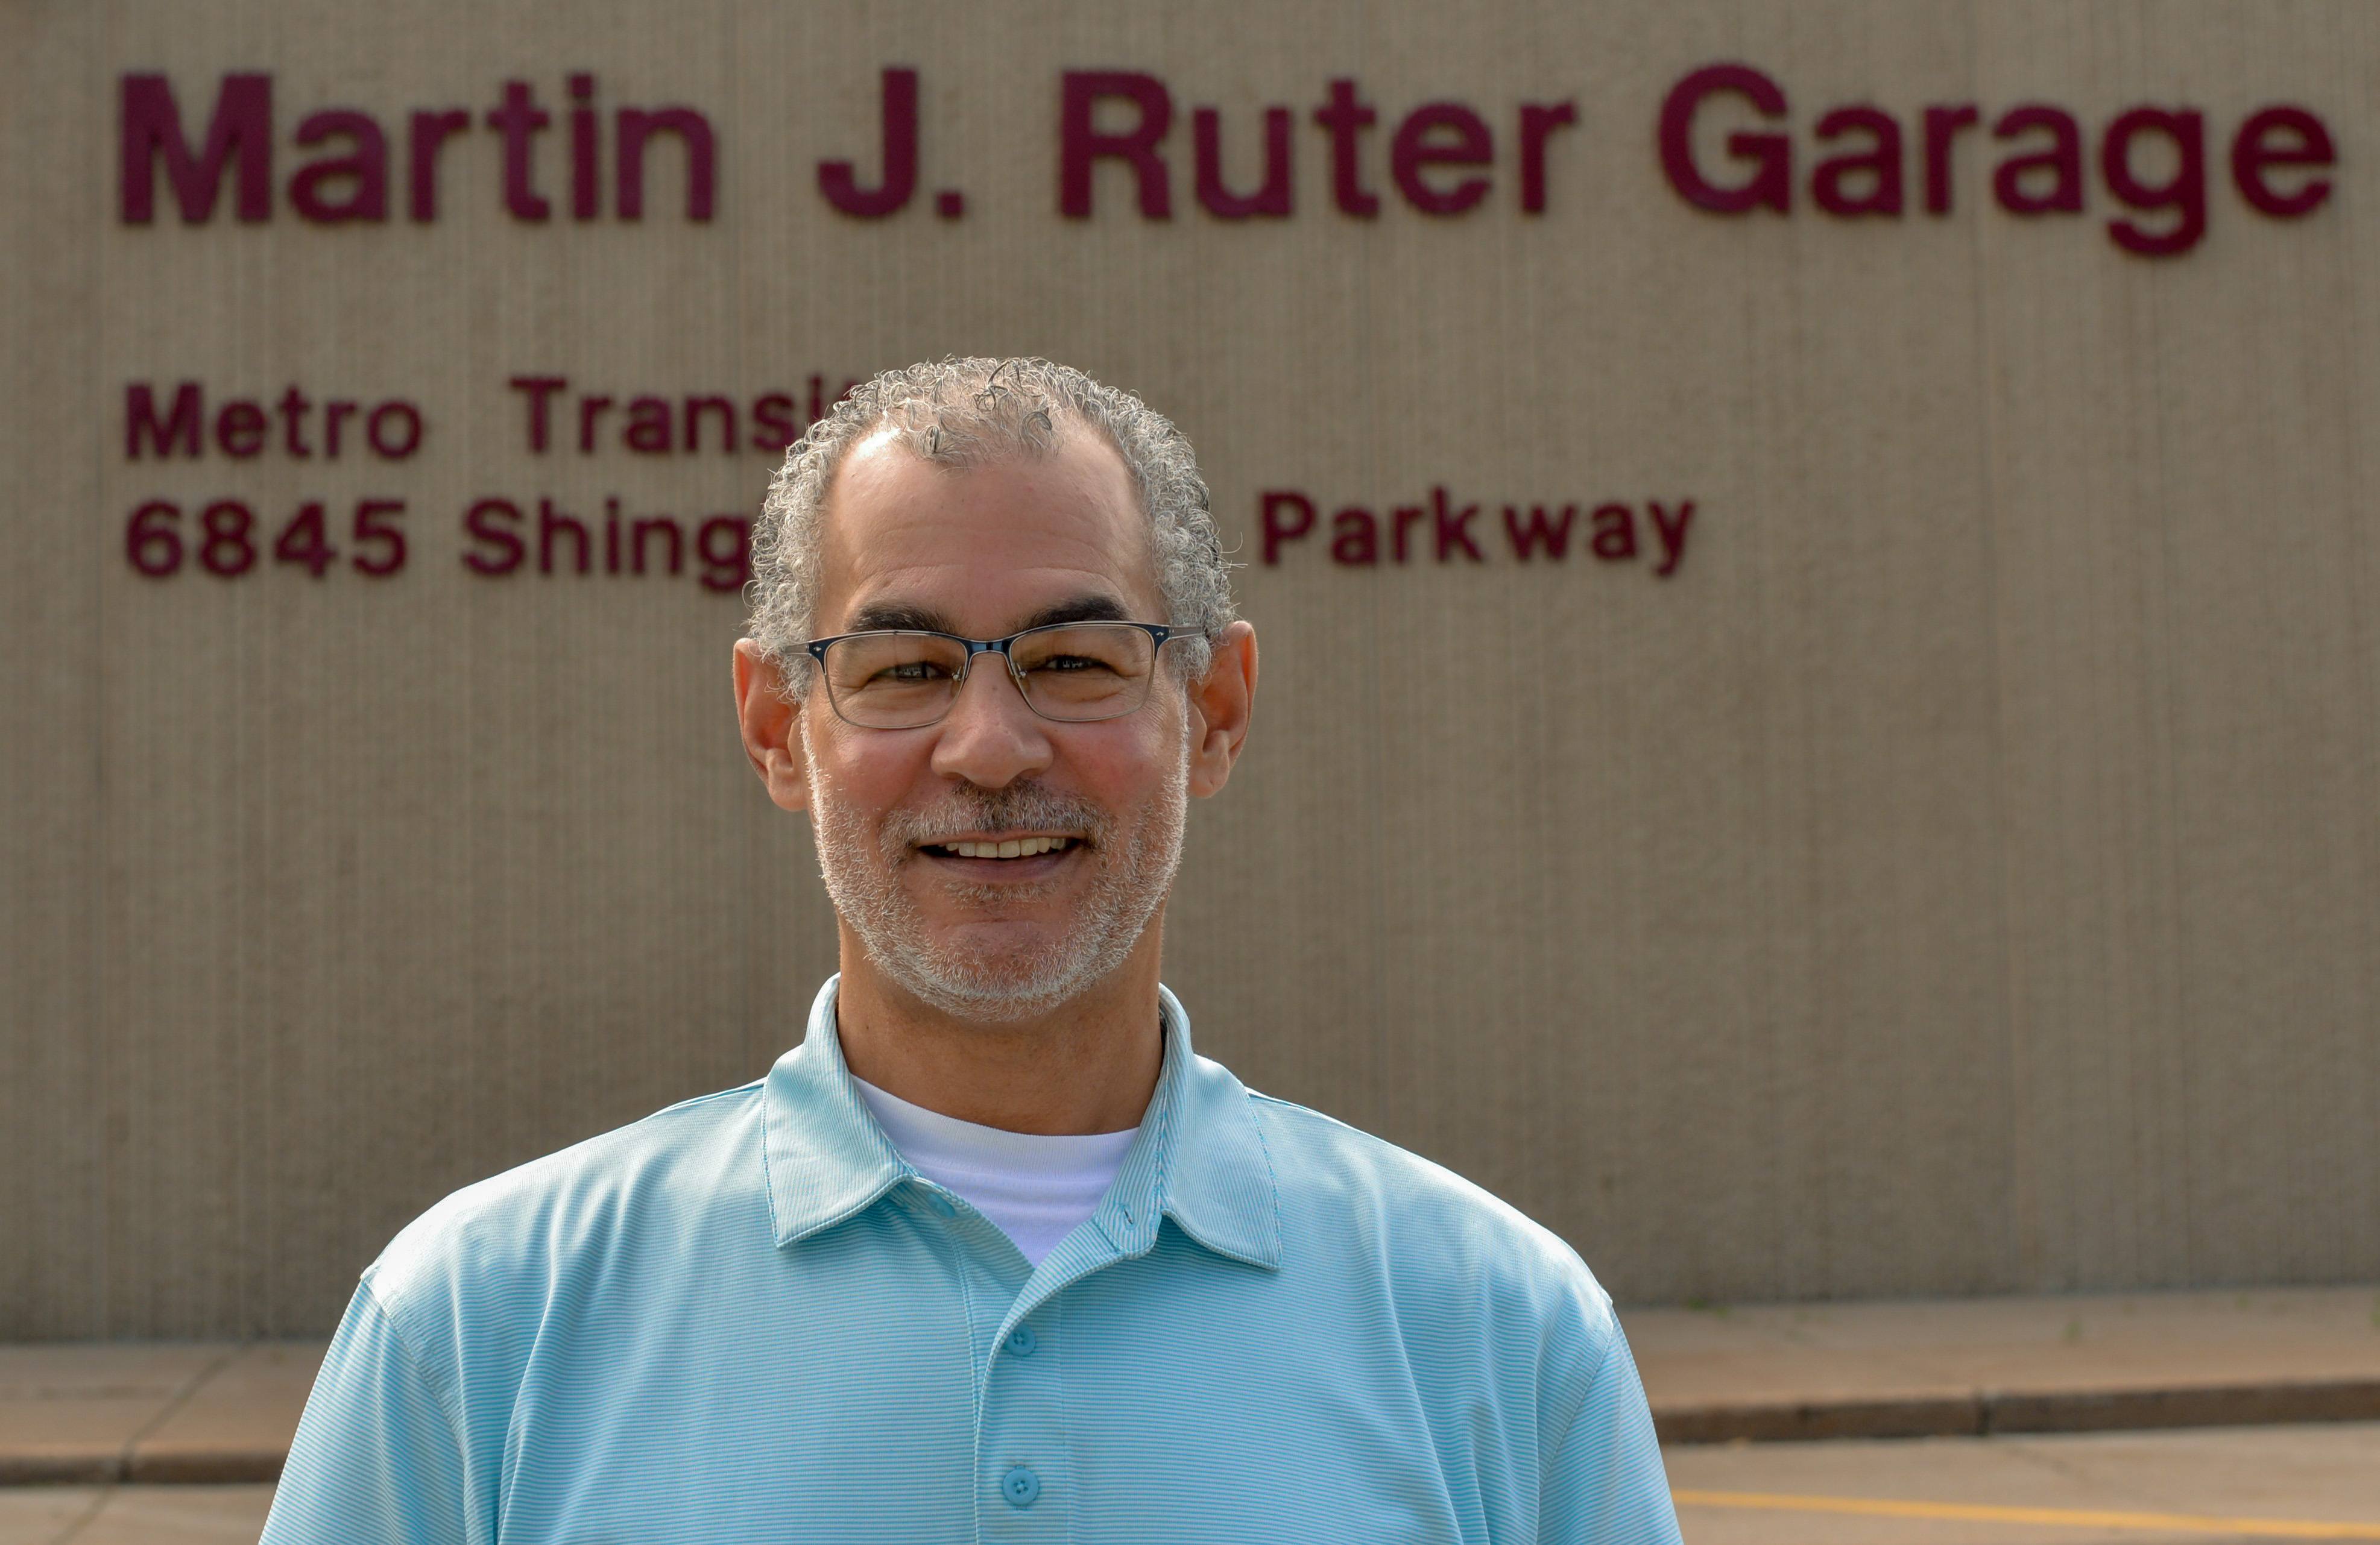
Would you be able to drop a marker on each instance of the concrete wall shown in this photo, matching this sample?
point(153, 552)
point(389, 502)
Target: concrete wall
point(1958, 874)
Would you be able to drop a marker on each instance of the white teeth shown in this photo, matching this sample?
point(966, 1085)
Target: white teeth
point(1026, 847)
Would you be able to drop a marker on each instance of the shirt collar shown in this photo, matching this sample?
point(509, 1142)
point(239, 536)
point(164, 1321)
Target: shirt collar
point(1198, 1160)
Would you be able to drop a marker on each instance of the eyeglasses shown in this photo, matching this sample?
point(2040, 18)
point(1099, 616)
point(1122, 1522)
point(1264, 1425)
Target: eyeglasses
point(1073, 672)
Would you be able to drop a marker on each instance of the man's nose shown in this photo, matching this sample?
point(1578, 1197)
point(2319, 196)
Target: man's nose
point(991, 737)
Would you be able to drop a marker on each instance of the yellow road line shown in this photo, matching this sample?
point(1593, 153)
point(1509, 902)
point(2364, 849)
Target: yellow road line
point(2170, 1523)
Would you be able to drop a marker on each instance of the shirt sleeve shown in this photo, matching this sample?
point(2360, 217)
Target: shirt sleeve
point(1603, 1483)
point(377, 1459)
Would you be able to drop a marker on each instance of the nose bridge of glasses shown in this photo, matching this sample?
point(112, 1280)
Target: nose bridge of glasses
point(977, 648)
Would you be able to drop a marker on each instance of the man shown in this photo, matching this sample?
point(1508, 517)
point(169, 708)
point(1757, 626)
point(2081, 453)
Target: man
point(993, 1254)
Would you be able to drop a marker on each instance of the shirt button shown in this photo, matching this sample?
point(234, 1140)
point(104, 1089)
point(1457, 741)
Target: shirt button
point(1021, 1341)
point(941, 1204)
point(1020, 1486)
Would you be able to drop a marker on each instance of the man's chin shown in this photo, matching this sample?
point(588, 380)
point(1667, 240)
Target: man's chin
point(992, 987)
point(948, 904)
point(996, 951)
point(999, 968)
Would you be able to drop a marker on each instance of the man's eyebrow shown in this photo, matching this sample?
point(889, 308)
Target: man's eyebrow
point(910, 617)
point(1090, 607)
point(903, 616)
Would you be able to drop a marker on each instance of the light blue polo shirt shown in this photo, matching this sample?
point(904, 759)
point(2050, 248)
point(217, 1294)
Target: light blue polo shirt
point(746, 1319)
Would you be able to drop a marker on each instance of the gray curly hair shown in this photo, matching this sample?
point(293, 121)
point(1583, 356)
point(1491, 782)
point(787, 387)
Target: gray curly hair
point(961, 413)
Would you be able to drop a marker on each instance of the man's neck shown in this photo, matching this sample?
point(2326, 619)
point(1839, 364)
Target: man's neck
point(1087, 1065)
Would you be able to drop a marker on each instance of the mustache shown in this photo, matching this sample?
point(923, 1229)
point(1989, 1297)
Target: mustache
point(1028, 806)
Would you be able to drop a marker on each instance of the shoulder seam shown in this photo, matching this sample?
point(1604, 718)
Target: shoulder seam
point(751, 1087)
point(448, 1403)
point(1552, 1461)
point(1317, 1114)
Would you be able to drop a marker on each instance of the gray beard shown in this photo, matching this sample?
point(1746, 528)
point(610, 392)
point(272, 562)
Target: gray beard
point(1134, 871)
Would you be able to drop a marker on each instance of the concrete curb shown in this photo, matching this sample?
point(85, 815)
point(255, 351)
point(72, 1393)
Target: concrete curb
point(180, 1466)
point(1804, 1421)
point(1985, 1412)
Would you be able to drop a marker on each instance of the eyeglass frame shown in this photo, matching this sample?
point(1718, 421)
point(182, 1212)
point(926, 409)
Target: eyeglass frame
point(1159, 633)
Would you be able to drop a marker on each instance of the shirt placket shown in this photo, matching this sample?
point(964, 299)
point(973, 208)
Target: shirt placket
point(1023, 1472)
point(1027, 1483)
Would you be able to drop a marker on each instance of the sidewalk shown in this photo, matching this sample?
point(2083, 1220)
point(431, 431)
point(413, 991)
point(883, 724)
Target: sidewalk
point(1967, 1367)
point(181, 1412)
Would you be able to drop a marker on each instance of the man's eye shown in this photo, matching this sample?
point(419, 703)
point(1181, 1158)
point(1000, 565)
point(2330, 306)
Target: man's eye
point(1072, 662)
point(913, 671)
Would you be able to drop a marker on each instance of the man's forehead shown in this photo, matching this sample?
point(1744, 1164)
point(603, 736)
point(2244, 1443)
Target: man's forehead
point(883, 475)
point(1026, 539)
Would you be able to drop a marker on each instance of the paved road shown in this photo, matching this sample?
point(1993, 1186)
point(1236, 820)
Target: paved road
point(2192, 1488)
point(2210, 1484)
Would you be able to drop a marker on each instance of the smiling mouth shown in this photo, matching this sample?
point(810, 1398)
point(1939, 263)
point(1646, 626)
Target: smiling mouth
point(1009, 848)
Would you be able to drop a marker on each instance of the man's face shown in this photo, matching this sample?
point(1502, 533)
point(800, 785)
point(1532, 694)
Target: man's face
point(984, 552)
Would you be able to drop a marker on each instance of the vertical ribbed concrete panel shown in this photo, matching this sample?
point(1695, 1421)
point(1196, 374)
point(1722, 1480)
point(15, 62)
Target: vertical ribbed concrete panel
point(55, 1136)
point(1958, 874)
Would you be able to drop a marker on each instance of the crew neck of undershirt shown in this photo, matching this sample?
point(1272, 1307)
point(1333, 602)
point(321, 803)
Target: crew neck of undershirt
point(1034, 1187)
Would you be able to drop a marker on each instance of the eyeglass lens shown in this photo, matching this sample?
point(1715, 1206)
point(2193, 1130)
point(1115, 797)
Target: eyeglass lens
point(1077, 673)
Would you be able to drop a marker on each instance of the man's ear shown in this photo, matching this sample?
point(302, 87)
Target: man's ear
point(771, 738)
point(1220, 705)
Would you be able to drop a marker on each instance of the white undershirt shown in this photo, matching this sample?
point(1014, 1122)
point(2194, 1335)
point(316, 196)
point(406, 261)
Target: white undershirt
point(1034, 1187)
